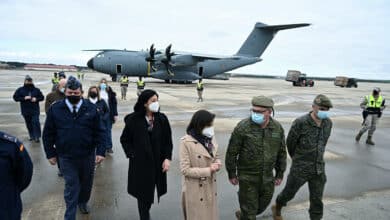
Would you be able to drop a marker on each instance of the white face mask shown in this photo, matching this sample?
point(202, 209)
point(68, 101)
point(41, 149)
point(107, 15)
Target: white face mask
point(154, 106)
point(208, 131)
point(93, 100)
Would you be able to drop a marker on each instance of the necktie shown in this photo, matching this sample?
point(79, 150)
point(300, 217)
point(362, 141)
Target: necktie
point(74, 111)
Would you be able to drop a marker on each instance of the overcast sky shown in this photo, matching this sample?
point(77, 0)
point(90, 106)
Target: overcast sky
point(346, 37)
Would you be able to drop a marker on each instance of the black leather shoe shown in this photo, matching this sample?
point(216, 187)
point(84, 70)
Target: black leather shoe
point(84, 209)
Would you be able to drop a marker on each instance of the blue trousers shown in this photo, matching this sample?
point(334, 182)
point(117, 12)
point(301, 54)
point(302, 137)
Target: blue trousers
point(33, 126)
point(78, 174)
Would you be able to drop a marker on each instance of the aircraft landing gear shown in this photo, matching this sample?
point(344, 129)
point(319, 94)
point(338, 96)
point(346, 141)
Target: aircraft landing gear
point(114, 78)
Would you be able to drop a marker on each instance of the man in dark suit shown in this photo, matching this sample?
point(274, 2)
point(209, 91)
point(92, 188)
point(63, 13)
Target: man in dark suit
point(74, 127)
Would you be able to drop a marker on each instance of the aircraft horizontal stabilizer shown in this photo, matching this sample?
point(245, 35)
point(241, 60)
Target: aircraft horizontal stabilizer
point(280, 27)
point(260, 37)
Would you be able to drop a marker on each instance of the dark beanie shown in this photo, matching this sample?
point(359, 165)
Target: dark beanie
point(142, 99)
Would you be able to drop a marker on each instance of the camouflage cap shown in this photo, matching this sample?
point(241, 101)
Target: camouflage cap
point(322, 100)
point(262, 101)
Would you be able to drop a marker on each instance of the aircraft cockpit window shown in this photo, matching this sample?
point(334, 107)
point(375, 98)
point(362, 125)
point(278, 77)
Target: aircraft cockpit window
point(101, 55)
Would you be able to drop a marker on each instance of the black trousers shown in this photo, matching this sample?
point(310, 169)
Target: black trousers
point(143, 209)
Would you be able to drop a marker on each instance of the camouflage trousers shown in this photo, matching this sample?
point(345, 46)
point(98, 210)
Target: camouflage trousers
point(200, 98)
point(123, 91)
point(316, 183)
point(254, 195)
point(139, 91)
point(369, 124)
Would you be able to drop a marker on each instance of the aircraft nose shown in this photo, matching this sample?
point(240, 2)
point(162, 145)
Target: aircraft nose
point(90, 63)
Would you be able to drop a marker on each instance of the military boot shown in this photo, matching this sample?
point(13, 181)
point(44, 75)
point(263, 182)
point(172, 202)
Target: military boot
point(358, 136)
point(277, 212)
point(369, 141)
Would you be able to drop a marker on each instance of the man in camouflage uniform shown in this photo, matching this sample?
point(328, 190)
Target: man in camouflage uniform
point(256, 147)
point(306, 143)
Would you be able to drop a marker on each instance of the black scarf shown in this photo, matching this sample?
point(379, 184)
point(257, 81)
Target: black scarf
point(205, 141)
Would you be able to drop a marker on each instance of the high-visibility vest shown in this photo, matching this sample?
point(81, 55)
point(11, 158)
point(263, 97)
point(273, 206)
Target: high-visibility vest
point(199, 86)
point(124, 80)
point(140, 83)
point(372, 103)
point(55, 80)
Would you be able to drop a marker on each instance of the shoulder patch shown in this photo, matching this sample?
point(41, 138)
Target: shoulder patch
point(12, 139)
point(9, 138)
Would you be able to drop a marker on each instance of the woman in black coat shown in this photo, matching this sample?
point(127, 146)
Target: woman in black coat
point(147, 142)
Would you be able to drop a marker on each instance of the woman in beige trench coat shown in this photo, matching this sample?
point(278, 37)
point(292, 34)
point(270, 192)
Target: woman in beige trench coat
point(199, 163)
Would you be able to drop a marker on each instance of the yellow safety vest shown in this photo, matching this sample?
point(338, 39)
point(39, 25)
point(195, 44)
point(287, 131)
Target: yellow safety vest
point(200, 85)
point(140, 83)
point(372, 103)
point(55, 80)
point(124, 80)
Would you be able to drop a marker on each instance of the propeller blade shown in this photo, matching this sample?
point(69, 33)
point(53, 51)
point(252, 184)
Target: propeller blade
point(152, 51)
point(168, 53)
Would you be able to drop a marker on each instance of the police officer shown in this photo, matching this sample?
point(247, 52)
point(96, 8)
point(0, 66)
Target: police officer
point(306, 143)
point(256, 148)
point(140, 85)
point(199, 89)
point(16, 171)
point(29, 97)
point(73, 125)
point(372, 106)
point(124, 82)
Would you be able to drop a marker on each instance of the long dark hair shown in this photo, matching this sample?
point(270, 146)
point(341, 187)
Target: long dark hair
point(142, 99)
point(200, 120)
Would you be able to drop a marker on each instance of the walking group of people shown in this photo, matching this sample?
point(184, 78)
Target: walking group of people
point(76, 136)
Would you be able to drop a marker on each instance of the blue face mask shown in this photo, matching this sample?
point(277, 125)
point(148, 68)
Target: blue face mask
point(103, 86)
point(323, 114)
point(257, 118)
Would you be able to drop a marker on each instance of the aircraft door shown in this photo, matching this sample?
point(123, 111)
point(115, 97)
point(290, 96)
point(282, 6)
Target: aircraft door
point(119, 68)
point(200, 71)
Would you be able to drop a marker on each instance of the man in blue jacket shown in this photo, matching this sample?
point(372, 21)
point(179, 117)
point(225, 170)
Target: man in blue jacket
point(29, 97)
point(74, 127)
point(15, 175)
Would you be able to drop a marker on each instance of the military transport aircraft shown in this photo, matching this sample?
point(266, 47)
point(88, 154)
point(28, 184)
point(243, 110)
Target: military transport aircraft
point(174, 66)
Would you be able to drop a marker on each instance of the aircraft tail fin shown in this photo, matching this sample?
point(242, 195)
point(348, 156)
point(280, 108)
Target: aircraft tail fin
point(261, 36)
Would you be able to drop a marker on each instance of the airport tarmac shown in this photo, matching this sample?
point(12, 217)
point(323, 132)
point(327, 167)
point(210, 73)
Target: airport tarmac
point(358, 176)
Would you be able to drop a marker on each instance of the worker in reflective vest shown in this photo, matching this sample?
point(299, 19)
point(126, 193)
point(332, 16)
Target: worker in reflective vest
point(373, 106)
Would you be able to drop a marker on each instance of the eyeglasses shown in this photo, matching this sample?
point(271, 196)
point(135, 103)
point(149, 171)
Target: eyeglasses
point(323, 109)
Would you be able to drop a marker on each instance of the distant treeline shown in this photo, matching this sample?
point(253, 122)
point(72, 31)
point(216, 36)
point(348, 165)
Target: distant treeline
point(314, 78)
point(20, 65)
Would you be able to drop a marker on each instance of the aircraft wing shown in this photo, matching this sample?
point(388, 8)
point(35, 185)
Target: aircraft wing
point(106, 50)
point(202, 57)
